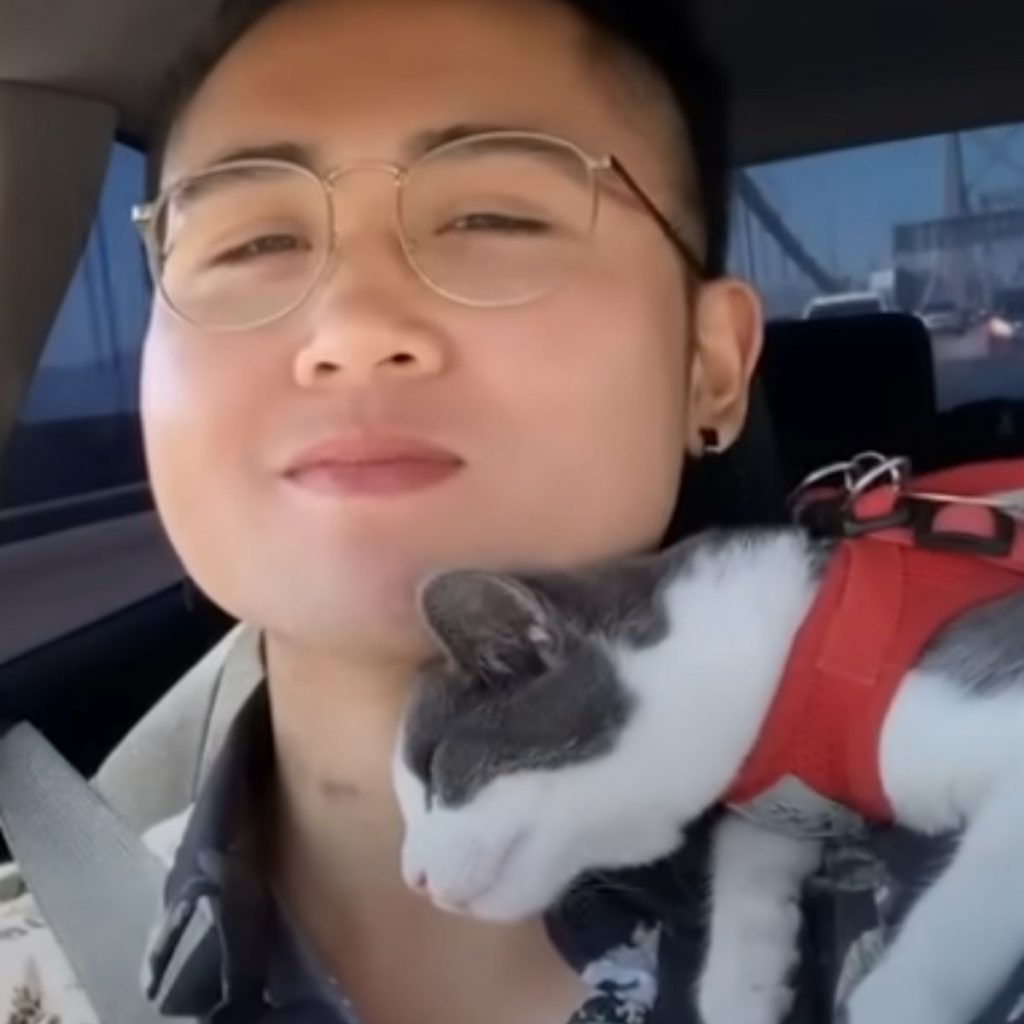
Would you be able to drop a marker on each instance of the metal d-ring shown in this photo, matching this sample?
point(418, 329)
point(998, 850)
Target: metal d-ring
point(843, 470)
point(895, 469)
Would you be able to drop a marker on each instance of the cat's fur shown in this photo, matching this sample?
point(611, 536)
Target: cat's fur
point(582, 721)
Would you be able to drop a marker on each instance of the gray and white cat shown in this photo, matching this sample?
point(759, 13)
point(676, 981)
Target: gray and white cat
point(581, 721)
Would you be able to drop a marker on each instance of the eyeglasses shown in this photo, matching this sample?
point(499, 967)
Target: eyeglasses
point(493, 220)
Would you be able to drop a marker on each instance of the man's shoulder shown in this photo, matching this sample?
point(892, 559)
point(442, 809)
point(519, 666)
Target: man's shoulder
point(37, 982)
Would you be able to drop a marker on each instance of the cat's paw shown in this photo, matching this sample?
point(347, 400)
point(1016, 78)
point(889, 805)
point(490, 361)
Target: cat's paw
point(721, 1000)
point(888, 997)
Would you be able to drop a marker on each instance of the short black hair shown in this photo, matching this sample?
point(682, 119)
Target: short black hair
point(659, 32)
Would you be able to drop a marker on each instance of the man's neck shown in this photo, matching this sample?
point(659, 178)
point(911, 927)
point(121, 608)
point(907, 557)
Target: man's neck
point(335, 862)
point(337, 825)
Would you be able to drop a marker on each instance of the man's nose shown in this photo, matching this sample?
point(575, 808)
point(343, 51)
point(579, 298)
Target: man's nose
point(370, 318)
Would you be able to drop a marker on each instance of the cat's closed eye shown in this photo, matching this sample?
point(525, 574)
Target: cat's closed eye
point(420, 757)
point(428, 778)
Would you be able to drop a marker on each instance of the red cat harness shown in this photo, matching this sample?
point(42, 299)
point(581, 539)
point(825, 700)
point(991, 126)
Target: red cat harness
point(914, 556)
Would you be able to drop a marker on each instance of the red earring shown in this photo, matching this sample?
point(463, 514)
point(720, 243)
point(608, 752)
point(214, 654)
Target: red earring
point(711, 440)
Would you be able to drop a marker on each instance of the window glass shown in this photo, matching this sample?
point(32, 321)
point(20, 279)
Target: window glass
point(78, 439)
point(932, 227)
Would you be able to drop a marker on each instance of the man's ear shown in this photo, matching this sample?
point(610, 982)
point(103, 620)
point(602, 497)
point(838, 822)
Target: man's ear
point(491, 625)
point(727, 340)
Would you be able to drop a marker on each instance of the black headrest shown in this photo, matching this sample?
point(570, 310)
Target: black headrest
point(838, 387)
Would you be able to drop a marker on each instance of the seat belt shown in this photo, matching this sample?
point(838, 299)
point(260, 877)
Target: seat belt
point(97, 884)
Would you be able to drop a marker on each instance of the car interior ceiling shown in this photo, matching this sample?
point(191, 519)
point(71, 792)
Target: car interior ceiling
point(806, 78)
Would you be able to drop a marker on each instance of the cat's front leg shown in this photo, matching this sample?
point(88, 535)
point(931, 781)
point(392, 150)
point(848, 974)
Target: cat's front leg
point(756, 882)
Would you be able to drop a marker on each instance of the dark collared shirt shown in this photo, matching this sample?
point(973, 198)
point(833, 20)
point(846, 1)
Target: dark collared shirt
point(227, 953)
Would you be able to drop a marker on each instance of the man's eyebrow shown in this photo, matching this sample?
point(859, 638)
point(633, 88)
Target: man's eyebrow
point(426, 141)
point(415, 146)
point(289, 152)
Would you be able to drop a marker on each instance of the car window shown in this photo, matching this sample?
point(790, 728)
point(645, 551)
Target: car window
point(76, 452)
point(930, 226)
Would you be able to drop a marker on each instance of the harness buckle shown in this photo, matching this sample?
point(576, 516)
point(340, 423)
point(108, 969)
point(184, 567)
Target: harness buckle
point(923, 511)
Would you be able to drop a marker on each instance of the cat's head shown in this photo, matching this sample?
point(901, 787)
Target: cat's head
point(506, 767)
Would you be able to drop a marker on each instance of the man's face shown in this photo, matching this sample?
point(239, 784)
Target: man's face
point(566, 420)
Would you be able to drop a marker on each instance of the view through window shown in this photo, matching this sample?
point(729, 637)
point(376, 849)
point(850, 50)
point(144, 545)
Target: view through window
point(932, 227)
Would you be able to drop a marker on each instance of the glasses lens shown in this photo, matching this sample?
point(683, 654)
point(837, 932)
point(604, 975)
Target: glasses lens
point(498, 220)
point(241, 245)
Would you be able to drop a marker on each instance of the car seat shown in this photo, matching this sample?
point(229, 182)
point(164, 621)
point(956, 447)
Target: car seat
point(838, 387)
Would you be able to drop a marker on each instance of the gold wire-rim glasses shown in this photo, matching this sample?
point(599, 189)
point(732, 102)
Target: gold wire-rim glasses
point(147, 215)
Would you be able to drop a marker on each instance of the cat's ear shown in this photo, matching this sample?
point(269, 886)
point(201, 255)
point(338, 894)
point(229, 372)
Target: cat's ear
point(492, 625)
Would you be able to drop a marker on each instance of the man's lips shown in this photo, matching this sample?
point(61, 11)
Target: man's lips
point(372, 466)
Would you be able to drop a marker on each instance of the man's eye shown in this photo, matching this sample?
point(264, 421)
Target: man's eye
point(264, 245)
point(499, 223)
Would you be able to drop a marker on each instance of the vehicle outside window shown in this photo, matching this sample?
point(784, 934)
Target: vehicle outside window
point(844, 304)
point(944, 318)
point(76, 453)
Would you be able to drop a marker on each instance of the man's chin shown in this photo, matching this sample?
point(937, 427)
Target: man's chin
point(347, 628)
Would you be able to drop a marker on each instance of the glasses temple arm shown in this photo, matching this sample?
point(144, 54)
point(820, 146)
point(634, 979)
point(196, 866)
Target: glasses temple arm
point(673, 234)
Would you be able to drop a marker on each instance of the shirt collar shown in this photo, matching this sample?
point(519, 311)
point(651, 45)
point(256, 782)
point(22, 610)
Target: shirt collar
point(212, 943)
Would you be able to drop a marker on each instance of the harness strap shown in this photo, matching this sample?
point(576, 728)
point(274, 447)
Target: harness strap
point(886, 593)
